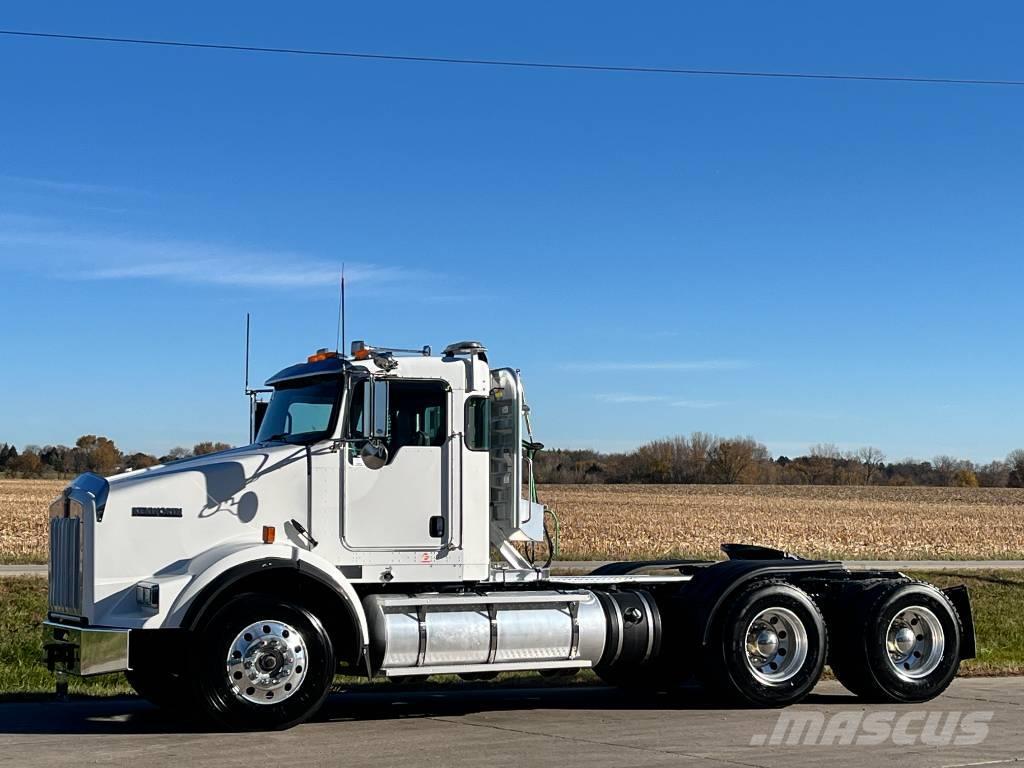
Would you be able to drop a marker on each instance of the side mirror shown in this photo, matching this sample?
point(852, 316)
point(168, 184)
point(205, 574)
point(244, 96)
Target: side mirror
point(379, 414)
point(256, 414)
point(374, 453)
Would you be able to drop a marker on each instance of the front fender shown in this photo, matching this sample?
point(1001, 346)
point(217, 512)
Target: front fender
point(219, 575)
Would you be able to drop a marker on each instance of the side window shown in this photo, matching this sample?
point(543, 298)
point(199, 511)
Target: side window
point(478, 424)
point(357, 409)
point(417, 414)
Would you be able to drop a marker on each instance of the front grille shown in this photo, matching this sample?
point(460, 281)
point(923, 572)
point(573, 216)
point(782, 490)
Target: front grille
point(66, 565)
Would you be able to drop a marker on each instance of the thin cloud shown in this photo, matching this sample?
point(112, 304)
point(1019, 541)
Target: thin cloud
point(245, 271)
point(655, 365)
point(631, 397)
point(64, 186)
point(613, 397)
point(90, 256)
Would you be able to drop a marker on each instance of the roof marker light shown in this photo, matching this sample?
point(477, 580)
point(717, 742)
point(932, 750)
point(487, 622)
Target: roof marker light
point(361, 350)
point(321, 354)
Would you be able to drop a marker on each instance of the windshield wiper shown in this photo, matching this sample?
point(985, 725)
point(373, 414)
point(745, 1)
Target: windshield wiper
point(281, 437)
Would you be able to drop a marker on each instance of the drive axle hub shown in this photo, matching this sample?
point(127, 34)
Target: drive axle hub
point(265, 662)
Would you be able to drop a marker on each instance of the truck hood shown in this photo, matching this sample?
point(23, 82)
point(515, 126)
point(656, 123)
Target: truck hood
point(202, 486)
point(247, 455)
point(167, 523)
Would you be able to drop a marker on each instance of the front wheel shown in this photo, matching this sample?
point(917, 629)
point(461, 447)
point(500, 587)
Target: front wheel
point(767, 647)
point(261, 663)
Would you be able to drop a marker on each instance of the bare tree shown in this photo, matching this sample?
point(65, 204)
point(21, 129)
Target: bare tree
point(825, 451)
point(871, 459)
point(995, 474)
point(201, 449)
point(947, 467)
point(175, 454)
point(1016, 462)
point(698, 454)
point(730, 459)
point(823, 464)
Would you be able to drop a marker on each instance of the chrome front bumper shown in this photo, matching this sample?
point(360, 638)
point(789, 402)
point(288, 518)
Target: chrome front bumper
point(85, 651)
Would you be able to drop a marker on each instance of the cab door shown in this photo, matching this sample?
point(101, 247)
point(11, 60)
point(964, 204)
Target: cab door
point(397, 483)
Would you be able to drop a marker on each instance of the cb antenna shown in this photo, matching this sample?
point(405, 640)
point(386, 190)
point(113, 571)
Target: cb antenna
point(341, 315)
point(257, 407)
point(246, 353)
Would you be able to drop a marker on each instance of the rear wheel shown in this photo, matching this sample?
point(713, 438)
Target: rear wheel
point(900, 644)
point(261, 663)
point(767, 647)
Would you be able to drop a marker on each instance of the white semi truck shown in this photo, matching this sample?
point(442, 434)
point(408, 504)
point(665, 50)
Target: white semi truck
point(373, 527)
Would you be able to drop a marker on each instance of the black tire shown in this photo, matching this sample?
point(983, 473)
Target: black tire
point(224, 701)
point(728, 671)
point(861, 658)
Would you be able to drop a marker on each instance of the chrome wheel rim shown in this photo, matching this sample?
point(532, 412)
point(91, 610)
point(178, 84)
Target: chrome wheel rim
point(266, 662)
point(915, 642)
point(776, 645)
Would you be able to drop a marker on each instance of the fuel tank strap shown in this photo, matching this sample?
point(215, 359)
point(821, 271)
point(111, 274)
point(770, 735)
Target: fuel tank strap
point(574, 614)
point(421, 618)
point(492, 615)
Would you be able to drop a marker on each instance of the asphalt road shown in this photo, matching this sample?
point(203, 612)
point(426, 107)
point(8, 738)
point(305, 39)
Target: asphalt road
point(585, 566)
point(572, 727)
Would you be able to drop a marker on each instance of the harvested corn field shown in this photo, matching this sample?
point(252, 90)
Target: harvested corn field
point(24, 508)
point(851, 522)
point(642, 521)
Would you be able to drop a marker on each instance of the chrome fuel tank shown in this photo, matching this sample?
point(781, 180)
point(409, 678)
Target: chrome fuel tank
point(437, 633)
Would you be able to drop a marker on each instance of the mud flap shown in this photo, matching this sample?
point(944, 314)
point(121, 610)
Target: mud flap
point(961, 600)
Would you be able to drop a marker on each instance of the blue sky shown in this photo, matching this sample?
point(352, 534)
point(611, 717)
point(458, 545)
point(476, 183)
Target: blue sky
point(802, 261)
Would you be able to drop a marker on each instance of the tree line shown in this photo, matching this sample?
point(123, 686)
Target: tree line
point(697, 458)
point(706, 458)
point(90, 453)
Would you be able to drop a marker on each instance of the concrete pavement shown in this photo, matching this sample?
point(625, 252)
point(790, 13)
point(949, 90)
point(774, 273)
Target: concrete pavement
point(571, 727)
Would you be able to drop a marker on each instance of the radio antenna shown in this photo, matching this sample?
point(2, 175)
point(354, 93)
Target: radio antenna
point(246, 353)
point(341, 315)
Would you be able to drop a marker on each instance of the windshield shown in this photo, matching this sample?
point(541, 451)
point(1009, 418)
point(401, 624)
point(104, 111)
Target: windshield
point(302, 410)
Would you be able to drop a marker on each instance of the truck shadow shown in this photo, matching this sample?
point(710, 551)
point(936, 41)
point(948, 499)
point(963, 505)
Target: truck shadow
point(131, 715)
point(455, 702)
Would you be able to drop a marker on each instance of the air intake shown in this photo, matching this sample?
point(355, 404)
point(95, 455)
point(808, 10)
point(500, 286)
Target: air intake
point(466, 348)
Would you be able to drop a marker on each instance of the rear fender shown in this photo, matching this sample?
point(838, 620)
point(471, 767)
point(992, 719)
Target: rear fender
point(701, 599)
